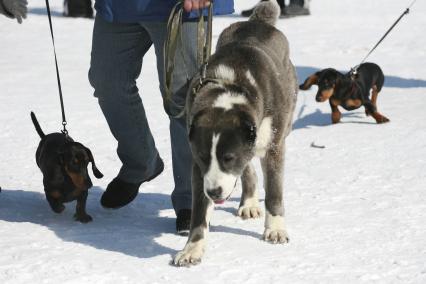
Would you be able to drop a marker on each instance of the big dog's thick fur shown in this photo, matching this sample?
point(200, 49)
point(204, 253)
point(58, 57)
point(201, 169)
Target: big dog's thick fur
point(242, 109)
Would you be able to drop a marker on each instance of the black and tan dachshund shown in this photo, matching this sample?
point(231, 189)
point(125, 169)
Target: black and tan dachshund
point(349, 91)
point(63, 163)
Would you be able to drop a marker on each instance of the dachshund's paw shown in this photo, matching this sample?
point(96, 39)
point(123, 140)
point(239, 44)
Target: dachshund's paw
point(276, 236)
point(382, 119)
point(247, 212)
point(59, 208)
point(83, 218)
point(335, 117)
point(190, 255)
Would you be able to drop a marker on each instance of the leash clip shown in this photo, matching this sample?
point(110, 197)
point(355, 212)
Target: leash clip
point(64, 131)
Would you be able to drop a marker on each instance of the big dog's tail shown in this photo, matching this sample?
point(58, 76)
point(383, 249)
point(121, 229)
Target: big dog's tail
point(36, 125)
point(266, 11)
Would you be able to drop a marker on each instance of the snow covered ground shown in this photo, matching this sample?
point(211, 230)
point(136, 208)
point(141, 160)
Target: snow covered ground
point(356, 210)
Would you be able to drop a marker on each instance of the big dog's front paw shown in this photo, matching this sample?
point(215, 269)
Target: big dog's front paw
point(249, 208)
point(247, 212)
point(190, 255)
point(276, 236)
point(275, 230)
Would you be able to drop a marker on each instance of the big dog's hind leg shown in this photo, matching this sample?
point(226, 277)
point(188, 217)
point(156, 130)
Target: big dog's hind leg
point(273, 171)
point(249, 205)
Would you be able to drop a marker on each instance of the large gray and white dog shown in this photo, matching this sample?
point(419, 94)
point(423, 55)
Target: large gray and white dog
point(243, 109)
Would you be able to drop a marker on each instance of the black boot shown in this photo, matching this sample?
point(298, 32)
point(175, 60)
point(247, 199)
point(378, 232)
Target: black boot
point(296, 8)
point(119, 193)
point(183, 222)
point(247, 13)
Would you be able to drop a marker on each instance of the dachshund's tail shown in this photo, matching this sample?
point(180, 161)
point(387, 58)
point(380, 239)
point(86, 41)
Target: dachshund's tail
point(36, 125)
point(266, 11)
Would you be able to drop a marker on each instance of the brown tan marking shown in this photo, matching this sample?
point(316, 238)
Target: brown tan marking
point(335, 116)
point(374, 95)
point(353, 103)
point(55, 194)
point(335, 113)
point(326, 94)
point(77, 180)
point(380, 118)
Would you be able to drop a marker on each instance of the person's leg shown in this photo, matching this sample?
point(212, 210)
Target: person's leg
point(185, 68)
point(297, 8)
point(248, 12)
point(117, 52)
point(297, 2)
point(281, 3)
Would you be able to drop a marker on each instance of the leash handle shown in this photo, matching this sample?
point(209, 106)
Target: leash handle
point(407, 10)
point(174, 33)
point(64, 121)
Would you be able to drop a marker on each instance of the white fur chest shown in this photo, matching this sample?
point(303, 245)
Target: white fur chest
point(264, 136)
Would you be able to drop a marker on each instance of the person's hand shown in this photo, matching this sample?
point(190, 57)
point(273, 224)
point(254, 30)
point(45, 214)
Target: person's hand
point(17, 8)
point(190, 5)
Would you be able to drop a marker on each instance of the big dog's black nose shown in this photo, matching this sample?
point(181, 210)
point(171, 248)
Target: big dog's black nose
point(215, 193)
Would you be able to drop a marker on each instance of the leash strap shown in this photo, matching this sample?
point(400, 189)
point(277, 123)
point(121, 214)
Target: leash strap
point(354, 69)
point(204, 41)
point(174, 33)
point(64, 121)
point(174, 29)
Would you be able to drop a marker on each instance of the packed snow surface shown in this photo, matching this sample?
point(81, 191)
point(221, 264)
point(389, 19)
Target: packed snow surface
point(355, 210)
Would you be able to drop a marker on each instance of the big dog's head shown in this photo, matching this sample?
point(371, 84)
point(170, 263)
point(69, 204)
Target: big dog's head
point(222, 139)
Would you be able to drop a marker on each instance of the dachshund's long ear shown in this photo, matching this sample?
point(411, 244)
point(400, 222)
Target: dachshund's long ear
point(61, 158)
point(311, 80)
point(95, 170)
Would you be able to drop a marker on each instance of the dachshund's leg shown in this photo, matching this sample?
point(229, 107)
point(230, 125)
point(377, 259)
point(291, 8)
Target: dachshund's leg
point(374, 94)
point(52, 197)
point(335, 113)
point(371, 109)
point(80, 210)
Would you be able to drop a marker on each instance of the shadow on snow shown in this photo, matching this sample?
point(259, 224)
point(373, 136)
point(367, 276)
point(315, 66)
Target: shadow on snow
point(131, 230)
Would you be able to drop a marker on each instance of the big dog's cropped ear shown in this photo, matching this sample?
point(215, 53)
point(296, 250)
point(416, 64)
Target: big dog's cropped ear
point(194, 124)
point(311, 80)
point(248, 125)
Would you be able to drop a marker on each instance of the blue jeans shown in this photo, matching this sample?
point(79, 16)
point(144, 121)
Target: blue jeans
point(116, 62)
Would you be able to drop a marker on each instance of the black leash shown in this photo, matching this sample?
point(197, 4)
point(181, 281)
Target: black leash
point(355, 69)
point(64, 121)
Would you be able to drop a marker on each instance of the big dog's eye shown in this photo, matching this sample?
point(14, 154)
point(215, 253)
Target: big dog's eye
point(228, 157)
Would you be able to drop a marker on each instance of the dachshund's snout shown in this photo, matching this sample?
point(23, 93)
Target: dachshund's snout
point(318, 98)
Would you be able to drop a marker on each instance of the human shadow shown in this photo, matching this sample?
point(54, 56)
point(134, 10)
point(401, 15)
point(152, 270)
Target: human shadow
point(131, 230)
point(304, 72)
